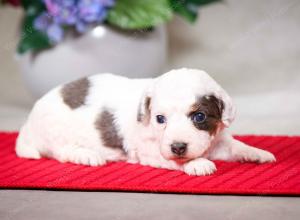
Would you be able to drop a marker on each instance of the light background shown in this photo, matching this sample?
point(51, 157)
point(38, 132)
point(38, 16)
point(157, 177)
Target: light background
point(251, 48)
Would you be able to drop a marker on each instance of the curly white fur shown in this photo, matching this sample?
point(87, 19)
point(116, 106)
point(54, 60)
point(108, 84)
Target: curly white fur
point(55, 130)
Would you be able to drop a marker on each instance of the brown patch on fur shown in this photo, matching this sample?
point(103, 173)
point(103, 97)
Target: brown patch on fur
point(143, 114)
point(213, 108)
point(108, 132)
point(74, 93)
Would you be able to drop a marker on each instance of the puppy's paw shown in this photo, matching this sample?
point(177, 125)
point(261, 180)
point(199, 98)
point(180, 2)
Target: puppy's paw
point(266, 157)
point(259, 156)
point(199, 167)
point(86, 157)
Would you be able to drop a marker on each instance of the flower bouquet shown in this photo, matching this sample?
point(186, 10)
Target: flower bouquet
point(46, 22)
point(62, 40)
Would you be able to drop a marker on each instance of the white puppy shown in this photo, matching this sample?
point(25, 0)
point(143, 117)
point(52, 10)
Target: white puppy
point(176, 121)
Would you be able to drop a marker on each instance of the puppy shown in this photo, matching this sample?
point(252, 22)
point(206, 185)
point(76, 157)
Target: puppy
point(176, 121)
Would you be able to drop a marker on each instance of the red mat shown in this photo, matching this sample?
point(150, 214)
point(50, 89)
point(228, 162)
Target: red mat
point(280, 178)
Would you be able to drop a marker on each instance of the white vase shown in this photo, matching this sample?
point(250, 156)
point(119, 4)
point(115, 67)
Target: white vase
point(102, 49)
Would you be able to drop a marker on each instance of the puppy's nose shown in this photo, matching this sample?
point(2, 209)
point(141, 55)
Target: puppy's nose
point(179, 148)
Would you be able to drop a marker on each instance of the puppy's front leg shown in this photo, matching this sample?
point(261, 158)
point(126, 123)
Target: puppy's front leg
point(199, 167)
point(243, 152)
point(229, 149)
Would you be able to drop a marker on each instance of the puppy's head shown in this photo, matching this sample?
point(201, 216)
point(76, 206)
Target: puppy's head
point(186, 109)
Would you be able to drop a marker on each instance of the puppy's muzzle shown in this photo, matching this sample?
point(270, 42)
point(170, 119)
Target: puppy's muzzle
point(179, 148)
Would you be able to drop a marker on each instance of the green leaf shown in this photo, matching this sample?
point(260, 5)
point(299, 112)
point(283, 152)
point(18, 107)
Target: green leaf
point(31, 39)
point(184, 9)
point(202, 2)
point(32, 4)
point(139, 14)
point(189, 8)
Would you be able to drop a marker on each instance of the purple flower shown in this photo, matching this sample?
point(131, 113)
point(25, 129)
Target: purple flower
point(43, 21)
point(46, 24)
point(65, 13)
point(55, 33)
point(91, 11)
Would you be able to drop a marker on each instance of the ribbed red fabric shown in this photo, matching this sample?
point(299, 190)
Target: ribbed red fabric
point(280, 178)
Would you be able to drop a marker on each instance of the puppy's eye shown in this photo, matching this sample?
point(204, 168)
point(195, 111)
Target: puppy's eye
point(198, 117)
point(161, 119)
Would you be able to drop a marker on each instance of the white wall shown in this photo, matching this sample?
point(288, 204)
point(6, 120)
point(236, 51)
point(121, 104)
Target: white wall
point(251, 47)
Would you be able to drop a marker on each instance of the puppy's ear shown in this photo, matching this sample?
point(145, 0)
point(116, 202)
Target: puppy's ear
point(144, 112)
point(144, 108)
point(229, 110)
